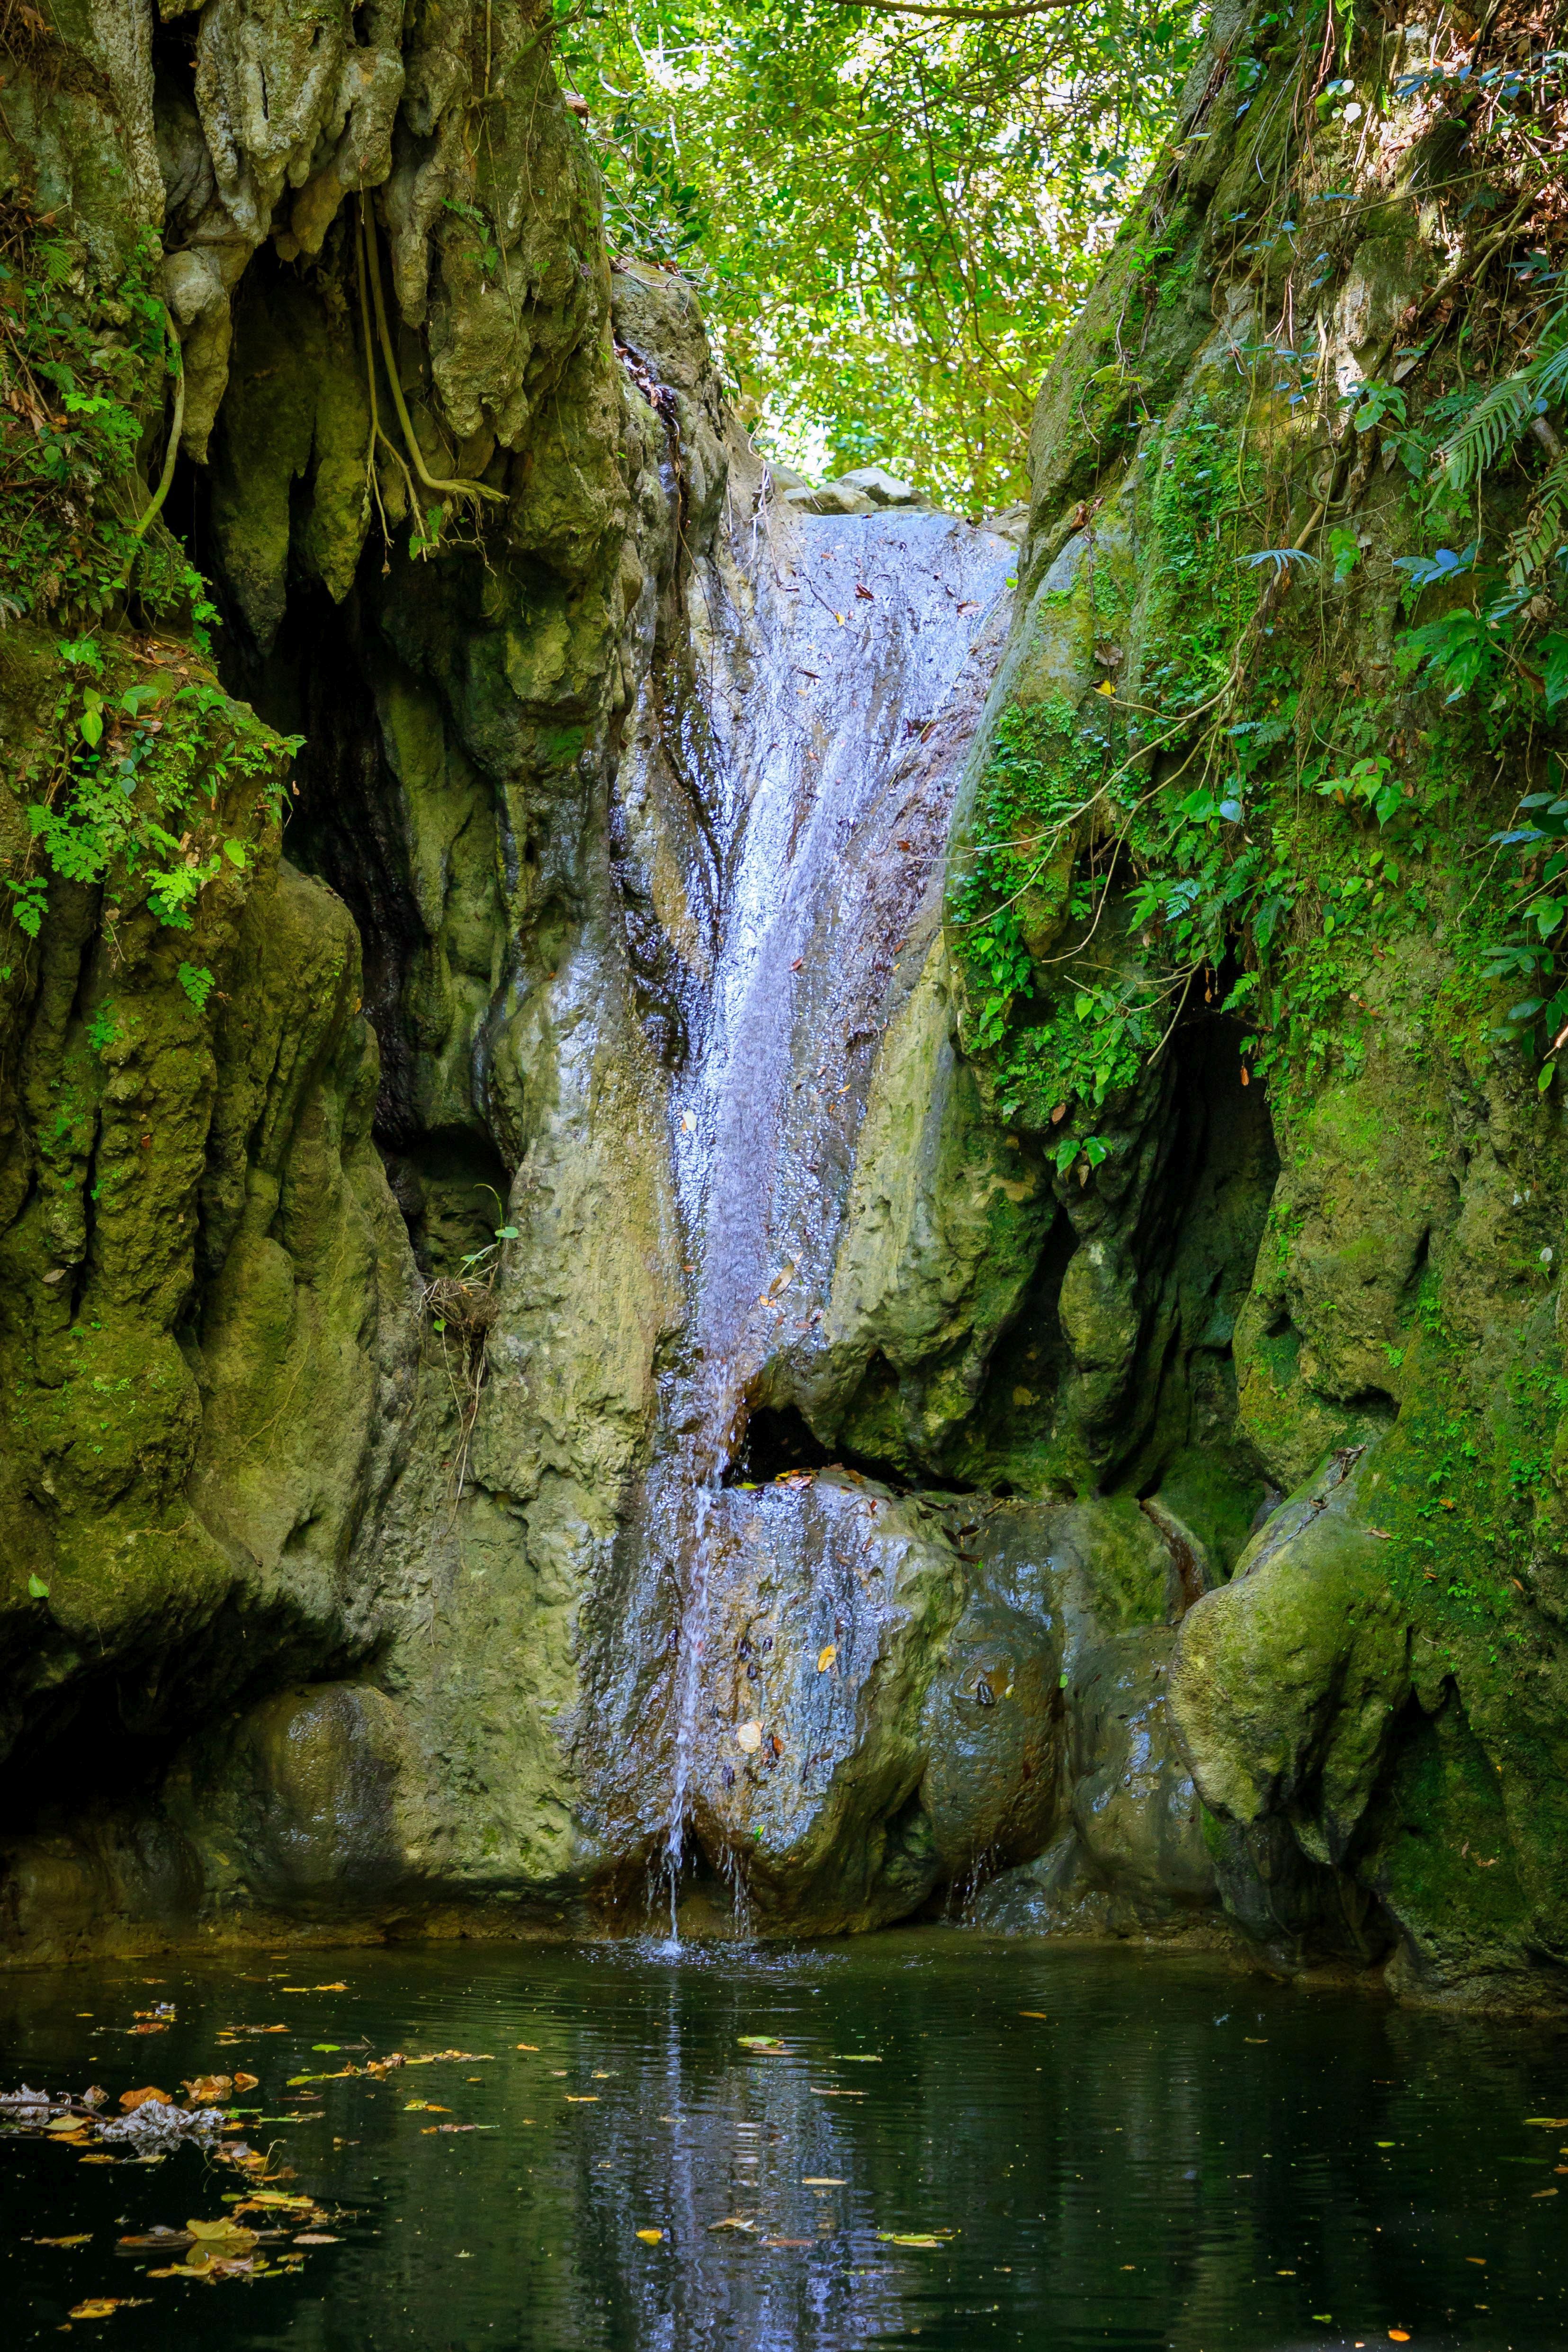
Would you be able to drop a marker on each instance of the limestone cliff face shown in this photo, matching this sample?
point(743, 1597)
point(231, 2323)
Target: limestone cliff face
point(562, 1350)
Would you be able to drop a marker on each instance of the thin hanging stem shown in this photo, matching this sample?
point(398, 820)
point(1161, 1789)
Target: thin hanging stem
point(479, 491)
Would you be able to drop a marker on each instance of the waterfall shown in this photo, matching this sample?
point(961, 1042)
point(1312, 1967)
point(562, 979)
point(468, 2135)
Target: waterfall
point(831, 652)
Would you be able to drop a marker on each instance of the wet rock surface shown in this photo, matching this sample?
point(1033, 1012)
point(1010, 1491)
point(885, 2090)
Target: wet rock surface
point(560, 1394)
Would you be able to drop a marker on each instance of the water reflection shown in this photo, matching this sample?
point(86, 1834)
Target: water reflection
point(1129, 2149)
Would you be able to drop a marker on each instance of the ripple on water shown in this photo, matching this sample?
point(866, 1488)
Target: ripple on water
point(911, 2136)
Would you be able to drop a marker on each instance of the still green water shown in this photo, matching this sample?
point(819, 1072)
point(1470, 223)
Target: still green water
point(1172, 2153)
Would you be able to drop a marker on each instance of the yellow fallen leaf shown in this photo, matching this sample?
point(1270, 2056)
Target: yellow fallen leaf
point(651, 2237)
point(748, 1738)
point(99, 2307)
point(825, 1657)
point(822, 2181)
point(337, 1987)
point(1549, 2122)
point(583, 2098)
point(82, 2238)
point(915, 2237)
point(1106, 687)
point(226, 2233)
point(530, 2046)
point(1031, 2012)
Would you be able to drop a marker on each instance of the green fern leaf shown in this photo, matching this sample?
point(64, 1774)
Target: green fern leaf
point(1494, 425)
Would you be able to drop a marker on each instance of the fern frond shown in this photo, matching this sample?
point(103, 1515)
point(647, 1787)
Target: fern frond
point(1494, 425)
point(1551, 372)
point(1541, 534)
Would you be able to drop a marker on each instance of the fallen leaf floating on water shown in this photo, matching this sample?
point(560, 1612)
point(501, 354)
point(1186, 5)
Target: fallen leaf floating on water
point(209, 2090)
point(1544, 2192)
point(1399, 2336)
point(748, 1738)
point(100, 2307)
point(1549, 2122)
point(222, 2232)
point(825, 1657)
point(857, 2058)
point(583, 2098)
point(316, 2238)
point(1032, 2012)
point(651, 2237)
point(822, 2181)
point(82, 2238)
point(333, 1987)
point(530, 2046)
point(915, 2237)
point(246, 2082)
point(760, 2041)
point(733, 2221)
point(132, 2100)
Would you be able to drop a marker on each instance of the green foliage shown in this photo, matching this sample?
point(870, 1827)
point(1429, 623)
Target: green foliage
point(890, 219)
point(197, 983)
point(84, 371)
point(136, 800)
point(124, 786)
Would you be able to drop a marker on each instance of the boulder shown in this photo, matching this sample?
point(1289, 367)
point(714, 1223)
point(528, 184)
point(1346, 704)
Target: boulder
point(883, 489)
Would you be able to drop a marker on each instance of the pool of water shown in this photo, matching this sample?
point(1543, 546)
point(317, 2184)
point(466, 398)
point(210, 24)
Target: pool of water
point(1101, 2147)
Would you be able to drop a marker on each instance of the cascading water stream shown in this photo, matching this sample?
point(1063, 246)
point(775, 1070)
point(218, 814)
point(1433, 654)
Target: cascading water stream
point(853, 636)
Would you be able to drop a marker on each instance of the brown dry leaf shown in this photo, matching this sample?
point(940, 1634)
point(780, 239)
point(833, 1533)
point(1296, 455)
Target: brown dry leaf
point(130, 2100)
point(208, 2090)
point(246, 2082)
point(160, 2026)
point(316, 2238)
point(98, 2160)
point(1544, 2192)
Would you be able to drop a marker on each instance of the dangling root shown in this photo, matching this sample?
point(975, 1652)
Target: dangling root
point(370, 270)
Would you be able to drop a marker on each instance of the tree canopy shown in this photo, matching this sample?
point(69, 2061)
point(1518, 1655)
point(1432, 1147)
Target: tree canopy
point(889, 209)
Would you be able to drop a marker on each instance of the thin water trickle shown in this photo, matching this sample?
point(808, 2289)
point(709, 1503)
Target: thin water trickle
point(828, 663)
